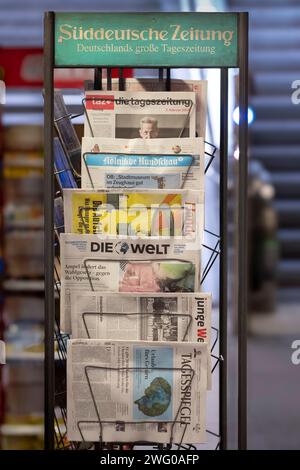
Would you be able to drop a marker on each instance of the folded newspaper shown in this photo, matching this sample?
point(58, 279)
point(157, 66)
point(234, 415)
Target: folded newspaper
point(142, 163)
point(125, 265)
point(129, 391)
point(144, 317)
point(151, 213)
point(126, 115)
point(176, 85)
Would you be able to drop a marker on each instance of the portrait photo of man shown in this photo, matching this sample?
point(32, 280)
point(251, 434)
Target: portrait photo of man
point(151, 126)
point(148, 128)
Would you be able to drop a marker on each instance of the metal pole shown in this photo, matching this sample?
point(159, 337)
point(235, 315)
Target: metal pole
point(223, 258)
point(168, 79)
point(242, 236)
point(49, 231)
point(108, 78)
point(121, 80)
point(98, 78)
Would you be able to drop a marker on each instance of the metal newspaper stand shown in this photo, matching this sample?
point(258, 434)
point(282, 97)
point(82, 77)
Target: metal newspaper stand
point(55, 341)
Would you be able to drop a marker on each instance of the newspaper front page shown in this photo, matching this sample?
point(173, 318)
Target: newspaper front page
point(144, 317)
point(151, 213)
point(126, 115)
point(177, 85)
point(125, 265)
point(142, 163)
point(127, 391)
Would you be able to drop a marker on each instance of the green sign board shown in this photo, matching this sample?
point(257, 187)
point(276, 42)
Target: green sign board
point(146, 39)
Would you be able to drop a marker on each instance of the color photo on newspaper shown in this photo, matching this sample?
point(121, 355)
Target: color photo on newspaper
point(126, 115)
point(176, 85)
point(126, 391)
point(143, 317)
point(125, 265)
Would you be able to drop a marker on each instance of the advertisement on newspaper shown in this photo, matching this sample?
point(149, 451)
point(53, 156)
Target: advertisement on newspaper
point(135, 214)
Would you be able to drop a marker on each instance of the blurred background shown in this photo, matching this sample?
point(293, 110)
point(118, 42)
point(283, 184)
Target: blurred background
point(274, 212)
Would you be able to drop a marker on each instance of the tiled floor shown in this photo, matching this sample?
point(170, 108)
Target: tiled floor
point(274, 391)
point(273, 383)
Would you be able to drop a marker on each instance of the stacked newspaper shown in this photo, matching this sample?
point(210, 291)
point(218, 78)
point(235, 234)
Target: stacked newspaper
point(89, 262)
point(143, 317)
point(138, 362)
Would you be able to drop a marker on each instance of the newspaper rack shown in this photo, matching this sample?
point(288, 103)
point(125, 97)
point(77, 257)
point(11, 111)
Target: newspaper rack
point(178, 315)
point(140, 314)
point(60, 395)
point(103, 422)
point(55, 340)
point(61, 365)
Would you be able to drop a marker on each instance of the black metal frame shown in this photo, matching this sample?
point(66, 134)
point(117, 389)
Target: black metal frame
point(49, 66)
